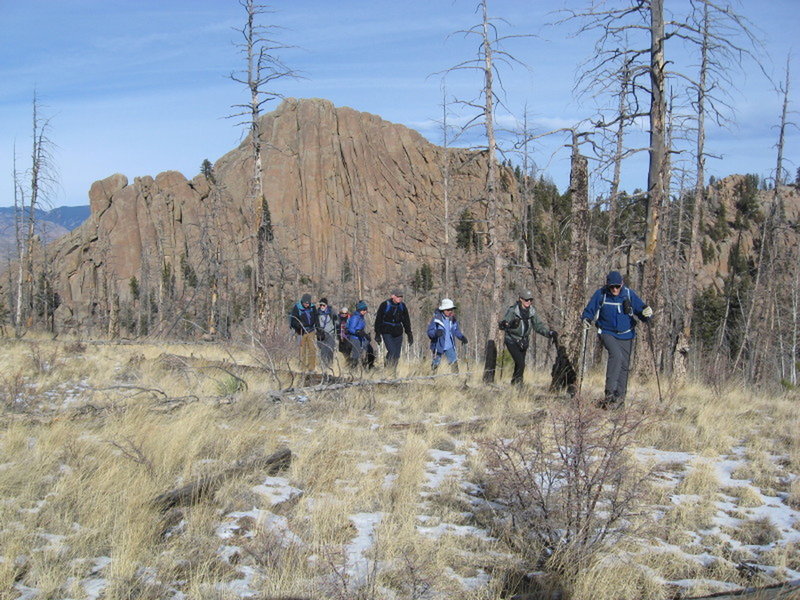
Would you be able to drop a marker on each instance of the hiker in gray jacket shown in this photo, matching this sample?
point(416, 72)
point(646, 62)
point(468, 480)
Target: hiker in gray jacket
point(519, 320)
point(326, 332)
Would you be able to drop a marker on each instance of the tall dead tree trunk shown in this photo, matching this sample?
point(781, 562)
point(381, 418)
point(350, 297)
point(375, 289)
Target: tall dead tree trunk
point(656, 177)
point(263, 68)
point(681, 349)
point(491, 176)
point(571, 335)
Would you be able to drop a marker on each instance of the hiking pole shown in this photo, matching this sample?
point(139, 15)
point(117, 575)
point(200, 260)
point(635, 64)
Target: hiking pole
point(583, 359)
point(655, 363)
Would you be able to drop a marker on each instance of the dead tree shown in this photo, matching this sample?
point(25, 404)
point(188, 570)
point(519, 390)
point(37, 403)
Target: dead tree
point(264, 69)
point(490, 55)
point(42, 179)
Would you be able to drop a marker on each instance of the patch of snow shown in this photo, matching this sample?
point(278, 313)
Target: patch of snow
point(277, 490)
point(358, 567)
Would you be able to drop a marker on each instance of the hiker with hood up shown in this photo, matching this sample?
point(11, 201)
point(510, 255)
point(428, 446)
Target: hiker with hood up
point(517, 323)
point(327, 322)
point(361, 350)
point(612, 309)
point(443, 331)
point(303, 320)
point(391, 320)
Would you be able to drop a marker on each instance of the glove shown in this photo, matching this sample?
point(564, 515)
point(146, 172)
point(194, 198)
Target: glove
point(360, 334)
point(513, 324)
point(552, 334)
point(439, 333)
point(320, 335)
point(410, 339)
point(626, 307)
point(464, 340)
point(502, 325)
point(378, 339)
point(587, 324)
point(647, 312)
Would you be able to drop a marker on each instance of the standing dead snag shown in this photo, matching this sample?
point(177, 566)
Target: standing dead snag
point(263, 68)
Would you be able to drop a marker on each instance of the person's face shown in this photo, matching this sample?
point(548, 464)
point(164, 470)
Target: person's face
point(397, 299)
point(322, 306)
point(526, 301)
point(363, 311)
point(615, 289)
point(306, 304)
point(449, 312)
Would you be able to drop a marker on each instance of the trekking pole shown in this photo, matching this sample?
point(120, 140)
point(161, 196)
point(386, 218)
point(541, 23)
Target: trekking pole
point(583, 359)
point(655, 362)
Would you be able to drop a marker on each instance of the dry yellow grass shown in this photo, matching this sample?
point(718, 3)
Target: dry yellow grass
point(93, 432)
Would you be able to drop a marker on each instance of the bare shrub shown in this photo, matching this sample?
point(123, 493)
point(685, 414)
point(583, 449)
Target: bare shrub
point(569, 484)
point(13, 391)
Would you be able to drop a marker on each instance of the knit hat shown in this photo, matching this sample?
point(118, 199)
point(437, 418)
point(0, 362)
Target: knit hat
point(344, 311)
point(614, 278)
point(361, 305)
point(398, 292)
point(305, 298)
point(322, 300)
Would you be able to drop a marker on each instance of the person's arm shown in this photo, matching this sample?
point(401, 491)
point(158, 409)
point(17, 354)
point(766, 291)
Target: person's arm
point(379, 314)
point(538, 326)
point(639, 307)
point(590, 312)
point(294, 320)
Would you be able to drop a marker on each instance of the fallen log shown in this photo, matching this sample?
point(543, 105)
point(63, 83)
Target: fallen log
point(194, 491)
point(277, 395)
point(789, 590)
point(468, 425)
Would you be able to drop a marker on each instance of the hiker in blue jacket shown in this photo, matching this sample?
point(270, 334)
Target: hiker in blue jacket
point(611, 310)
point(443, 331)
point(391, 320)
point(360, 347)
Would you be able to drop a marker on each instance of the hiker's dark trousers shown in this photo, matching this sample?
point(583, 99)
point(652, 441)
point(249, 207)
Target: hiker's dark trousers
point(394, 343)
point(518, 355)
point(619, 358)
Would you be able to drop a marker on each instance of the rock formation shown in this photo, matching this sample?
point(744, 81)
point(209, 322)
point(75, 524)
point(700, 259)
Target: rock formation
point(356, 205)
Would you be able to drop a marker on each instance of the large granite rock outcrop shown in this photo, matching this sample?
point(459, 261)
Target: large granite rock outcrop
point(347, 191)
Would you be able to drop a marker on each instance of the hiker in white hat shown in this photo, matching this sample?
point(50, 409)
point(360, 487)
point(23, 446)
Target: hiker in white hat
point(443, 330)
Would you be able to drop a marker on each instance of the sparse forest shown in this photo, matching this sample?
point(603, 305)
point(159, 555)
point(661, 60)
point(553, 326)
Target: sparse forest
point(160, 438)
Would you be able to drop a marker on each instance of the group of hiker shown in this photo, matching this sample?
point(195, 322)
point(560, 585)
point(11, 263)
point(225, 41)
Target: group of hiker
point(613, 310)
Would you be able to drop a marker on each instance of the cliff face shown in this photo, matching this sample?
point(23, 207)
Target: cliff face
point(356, 202)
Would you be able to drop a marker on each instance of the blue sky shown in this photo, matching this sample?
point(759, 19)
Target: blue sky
point(140, 86)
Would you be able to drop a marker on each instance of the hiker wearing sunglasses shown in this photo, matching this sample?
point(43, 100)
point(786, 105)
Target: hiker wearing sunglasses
point(611, 310)
point(519, 320)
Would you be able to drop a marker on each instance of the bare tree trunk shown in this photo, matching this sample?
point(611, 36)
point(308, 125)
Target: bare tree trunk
point(656, 176)
point(767, 234)
point(579, 220)
point(491, 179)
point(681, 351)
point(619, 143)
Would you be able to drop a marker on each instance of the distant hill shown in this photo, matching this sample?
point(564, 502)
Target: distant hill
point(68, 217)
point(50, 225)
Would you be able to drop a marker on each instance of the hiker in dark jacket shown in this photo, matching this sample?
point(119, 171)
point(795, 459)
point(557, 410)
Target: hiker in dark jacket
point(612, 309)
point(303, 320)
point(361, 351)
point(519, 320)
point(443, 331)
point(327, 323)
point(391, 320)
